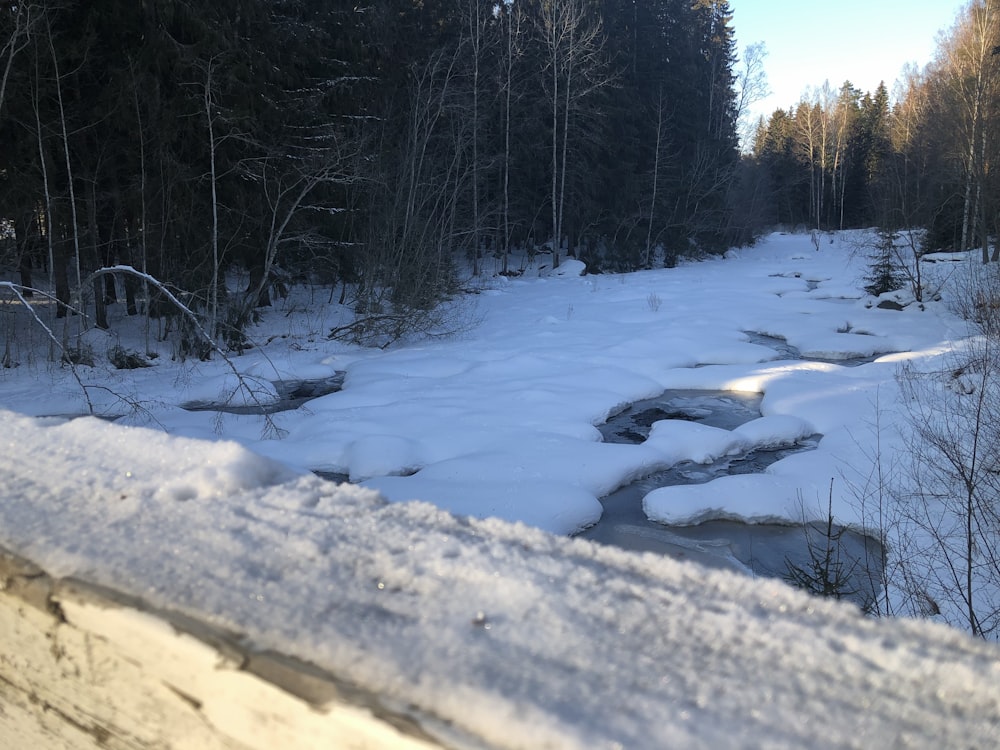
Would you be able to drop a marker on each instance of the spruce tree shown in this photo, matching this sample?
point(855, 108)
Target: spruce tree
point(884, 272)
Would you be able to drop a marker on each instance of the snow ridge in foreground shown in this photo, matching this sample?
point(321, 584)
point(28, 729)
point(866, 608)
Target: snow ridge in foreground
point(514, 637)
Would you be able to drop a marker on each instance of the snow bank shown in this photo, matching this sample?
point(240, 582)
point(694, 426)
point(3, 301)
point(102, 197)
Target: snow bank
point(752, 498)
point(116, 467)
point(476, 634)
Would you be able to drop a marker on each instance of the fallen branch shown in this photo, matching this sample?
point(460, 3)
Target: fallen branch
point(270, 429)
point(17, 290)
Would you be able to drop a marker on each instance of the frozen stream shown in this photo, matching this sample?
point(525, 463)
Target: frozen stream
point(756, 549)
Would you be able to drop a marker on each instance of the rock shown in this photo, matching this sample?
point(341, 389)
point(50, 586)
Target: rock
point(888, 304)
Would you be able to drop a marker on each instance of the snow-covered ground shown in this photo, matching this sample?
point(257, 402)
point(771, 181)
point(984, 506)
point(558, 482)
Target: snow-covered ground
point(515, 637)
point(499, 420)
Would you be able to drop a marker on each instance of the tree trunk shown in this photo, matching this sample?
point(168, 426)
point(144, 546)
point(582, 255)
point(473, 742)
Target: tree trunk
point(24, 270)
point(131, 287)
point(258, 284)
point(60, 276)
point(555, 154)
point(100, 308)
point(213, 291)
point(26, 244)
point(656, 174)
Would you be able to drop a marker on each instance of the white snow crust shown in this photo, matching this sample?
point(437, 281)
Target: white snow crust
point(467, 609)
point(512, 636)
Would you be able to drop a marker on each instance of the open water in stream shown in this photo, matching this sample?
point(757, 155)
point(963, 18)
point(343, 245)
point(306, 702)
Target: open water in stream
point(291, 395)
point(771, 550)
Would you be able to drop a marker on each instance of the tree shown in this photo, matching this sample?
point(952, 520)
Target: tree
point(968, 76)
point(225, 148)
point(513, 23)
point(952, 512)
point(480, 41)
point(884, 273)
point(17, 22)
point(776, 152)
point(751, 87)
point(844, 118)
point(573, 42)
point(809, 146)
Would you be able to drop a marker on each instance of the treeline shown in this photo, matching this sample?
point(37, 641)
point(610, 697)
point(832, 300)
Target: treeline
point(819, 164)
point(846, 159)
point(372, 147)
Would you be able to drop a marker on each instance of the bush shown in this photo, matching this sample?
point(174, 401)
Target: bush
point(78, 355)
point(123, 359)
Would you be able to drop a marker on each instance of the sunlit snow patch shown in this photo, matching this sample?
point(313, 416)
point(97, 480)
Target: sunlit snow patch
point(751, 498)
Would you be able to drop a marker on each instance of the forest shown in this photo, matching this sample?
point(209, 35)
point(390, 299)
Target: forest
point(379, 148)
point(375, 148)
point(919, 158)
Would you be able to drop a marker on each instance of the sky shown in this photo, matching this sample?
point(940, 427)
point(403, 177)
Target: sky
point(863, 41)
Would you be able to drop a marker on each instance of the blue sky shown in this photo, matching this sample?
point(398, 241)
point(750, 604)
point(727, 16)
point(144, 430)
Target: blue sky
point(863, 41)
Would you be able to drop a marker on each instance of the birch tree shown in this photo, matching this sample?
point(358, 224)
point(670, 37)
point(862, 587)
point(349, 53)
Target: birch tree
point(970, 77)
point(64, 132)
point(572, 38)
point(480, 41)
point(808, 138)
point(751, 87)
point(511, 51)
point(843, 117)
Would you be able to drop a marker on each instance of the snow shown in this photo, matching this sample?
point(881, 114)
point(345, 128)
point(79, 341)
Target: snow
point(513, 401)
point(516, 637)
point(464, 606)
point(753, 498)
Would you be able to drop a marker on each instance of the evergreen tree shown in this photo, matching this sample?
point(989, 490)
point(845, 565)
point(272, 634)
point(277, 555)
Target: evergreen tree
point(774, 151)
point(371, 146)
point(872, 148)
point(884, 272)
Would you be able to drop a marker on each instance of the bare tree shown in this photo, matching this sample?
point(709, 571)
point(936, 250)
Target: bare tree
point(57, 264)
point(287, 185)
point(511, 52)
point(660, 124)
point(954, 510)
point(478, 17)
point(74, 226)
point(953, 438)
point(416, 189)
point(19, 22)
point(969, 73)
point(807, 142)
point(751, 87)
point(842, 116)
point(214, 140)
point(574, 52)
